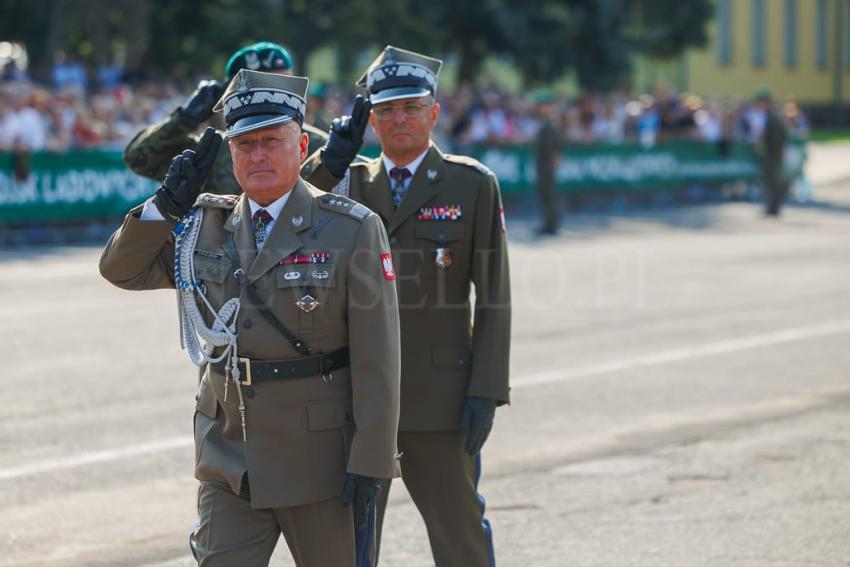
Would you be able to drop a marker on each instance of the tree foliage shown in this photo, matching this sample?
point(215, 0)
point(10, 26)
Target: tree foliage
point(594, 39)
point(665, 28)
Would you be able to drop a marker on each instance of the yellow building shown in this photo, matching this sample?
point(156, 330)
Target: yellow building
point(799, 49)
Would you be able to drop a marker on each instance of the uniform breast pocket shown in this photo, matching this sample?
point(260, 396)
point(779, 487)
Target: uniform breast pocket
point(442, 247)
point(300, 275)
point(311, 288)
point(211, 267)
point(439, 231)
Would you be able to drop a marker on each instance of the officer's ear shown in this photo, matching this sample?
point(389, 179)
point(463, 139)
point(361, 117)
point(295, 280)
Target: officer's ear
point(303, 144)
point(435, 113)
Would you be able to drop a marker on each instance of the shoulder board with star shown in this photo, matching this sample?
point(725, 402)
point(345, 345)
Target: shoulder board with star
point(213, 201)
point(344, 206)
point(469, 162)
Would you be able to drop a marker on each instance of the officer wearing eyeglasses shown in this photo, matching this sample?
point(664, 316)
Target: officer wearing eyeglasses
point(444, 217)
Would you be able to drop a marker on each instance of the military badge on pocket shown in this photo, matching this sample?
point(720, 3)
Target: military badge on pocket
point(443, 258)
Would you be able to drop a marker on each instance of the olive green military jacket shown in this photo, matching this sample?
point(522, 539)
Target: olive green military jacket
point(150, 152)
point(302, 434)
point(444, 357)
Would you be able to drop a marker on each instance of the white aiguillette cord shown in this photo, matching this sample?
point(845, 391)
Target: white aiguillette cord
point(197, 338)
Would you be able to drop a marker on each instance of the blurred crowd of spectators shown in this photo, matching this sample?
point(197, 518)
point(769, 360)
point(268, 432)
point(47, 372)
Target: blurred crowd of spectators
point(496, 117)
point(105, 112)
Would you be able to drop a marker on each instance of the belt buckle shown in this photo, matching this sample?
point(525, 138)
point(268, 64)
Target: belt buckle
point(245, 380)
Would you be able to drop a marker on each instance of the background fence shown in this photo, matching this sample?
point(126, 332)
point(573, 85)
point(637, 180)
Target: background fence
point(92, 185)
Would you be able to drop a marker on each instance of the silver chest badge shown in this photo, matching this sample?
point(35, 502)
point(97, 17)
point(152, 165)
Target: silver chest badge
point(297, 221)
point(307, 303)
point(443, 259)
point(432, 174)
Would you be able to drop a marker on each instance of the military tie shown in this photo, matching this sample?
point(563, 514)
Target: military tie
point(261, 219)
point(399, 175)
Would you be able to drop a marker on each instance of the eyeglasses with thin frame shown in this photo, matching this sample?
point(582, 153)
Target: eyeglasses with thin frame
point(409, 110)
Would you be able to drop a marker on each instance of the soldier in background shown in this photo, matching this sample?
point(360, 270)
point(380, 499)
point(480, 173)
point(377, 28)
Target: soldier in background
point(770, 146)
point(150, 152)
point(547, 152)
point(446, 225)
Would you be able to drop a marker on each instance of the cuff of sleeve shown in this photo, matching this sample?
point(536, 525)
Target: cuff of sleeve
point(179, 122)
point(150, 212)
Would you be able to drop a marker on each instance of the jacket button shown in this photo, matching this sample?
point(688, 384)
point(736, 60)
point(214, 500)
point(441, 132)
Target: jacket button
point(394, 240)
point(247, 323)
point(460, 360)
point(250, 393)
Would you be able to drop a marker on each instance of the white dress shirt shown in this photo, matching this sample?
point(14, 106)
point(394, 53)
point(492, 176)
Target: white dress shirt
point(411, 167)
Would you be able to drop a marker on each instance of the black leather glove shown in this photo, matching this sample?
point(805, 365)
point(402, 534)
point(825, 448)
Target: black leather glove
point(477, 420)
point(199, 106)
point(186, 176)
point(346, 137)
point(360, 491)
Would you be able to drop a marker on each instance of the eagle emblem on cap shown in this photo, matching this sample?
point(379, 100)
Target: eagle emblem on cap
point(242, 84)
point(252, 60)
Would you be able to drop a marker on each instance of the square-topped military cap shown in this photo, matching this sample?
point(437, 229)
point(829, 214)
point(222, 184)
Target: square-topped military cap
point(255, 100)
point(397, 73)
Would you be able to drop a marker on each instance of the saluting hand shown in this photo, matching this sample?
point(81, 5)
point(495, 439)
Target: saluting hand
point(186, 176)
point(346, 137)
point(200, 105)
point(477, 421)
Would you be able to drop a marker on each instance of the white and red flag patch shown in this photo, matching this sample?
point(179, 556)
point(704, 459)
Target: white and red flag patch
point(387, 265)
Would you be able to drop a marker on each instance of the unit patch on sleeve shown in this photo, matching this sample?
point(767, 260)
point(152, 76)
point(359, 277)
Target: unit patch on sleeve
point(387, 265)
point(440, 212)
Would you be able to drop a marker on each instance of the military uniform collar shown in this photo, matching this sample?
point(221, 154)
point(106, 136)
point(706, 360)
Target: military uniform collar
point(295, 217)
point(422, 187)
point(293, 209)
point(411, 167)
point(274, 208)
point(297, 214)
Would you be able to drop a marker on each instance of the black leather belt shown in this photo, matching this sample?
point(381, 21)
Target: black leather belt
point(267, 370)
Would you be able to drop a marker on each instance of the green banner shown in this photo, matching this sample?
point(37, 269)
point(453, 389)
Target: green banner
point(72, 186)
point(86, 185)
point(591, 167)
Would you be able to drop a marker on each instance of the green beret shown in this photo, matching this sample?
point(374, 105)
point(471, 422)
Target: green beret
point(763, 94)
point(262, 56)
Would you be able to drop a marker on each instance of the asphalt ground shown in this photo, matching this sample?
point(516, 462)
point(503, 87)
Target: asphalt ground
point(681, 385)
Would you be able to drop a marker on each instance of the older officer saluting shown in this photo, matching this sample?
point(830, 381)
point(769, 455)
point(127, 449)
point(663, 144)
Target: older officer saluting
point(444, 216)
point(289, 294)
